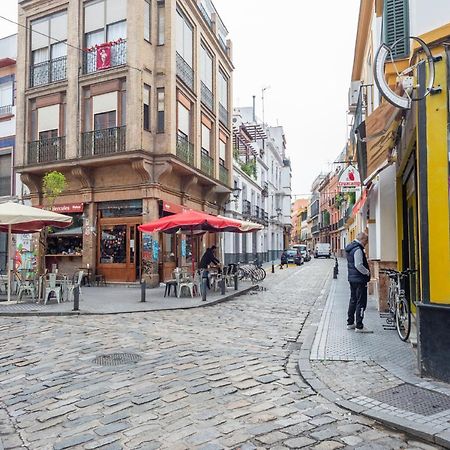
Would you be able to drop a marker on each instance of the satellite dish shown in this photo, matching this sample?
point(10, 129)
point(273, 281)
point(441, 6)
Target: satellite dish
point(407, 79)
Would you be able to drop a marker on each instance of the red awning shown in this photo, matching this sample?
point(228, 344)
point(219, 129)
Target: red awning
point(360, 203)
point(173, 207)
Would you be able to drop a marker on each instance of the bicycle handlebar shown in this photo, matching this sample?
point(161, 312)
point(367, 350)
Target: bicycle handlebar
point(395, 273)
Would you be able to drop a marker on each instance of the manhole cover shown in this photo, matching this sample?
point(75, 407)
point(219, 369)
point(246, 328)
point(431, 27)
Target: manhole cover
point(414, 399)
point(117, 359)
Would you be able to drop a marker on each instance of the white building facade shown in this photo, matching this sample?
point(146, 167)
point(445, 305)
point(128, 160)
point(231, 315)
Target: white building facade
point(262, 190)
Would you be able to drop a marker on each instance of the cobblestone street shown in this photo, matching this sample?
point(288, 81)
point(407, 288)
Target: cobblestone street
point(219, 377)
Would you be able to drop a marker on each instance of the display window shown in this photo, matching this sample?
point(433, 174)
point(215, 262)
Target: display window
point(68, 241)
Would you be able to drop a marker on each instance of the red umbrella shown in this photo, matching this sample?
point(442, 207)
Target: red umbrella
point(190, 220)
point(193, 221)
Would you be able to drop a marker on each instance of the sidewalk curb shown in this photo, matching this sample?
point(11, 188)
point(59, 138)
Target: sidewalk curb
point(225, 298)
point(307, 335)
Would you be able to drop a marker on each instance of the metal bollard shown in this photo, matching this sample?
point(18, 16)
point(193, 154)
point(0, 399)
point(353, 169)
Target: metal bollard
point(76, 298)
point(273, 267)
point(204, 287)
point(143, 292)
point(222, 286)
point(337, 265)
point(236, 281)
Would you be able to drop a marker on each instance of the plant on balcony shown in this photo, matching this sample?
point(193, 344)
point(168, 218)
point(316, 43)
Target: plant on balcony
point(236, 154)
point(339, 199)
point(249, 168)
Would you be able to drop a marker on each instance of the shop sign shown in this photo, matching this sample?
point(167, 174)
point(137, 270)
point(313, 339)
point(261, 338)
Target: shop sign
point(349, 180)
point(67, 208)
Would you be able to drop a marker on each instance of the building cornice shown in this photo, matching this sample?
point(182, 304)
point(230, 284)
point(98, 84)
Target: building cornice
point(362, 34)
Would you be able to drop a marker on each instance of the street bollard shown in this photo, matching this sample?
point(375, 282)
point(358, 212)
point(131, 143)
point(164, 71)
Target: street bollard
point(236, 281)
point(337, 265)
point(76, 298)
point(204, 286)
point(143, 291)
point(222, 286)
point(273, 267)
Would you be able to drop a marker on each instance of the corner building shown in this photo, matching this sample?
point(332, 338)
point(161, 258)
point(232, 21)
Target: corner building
point(131, 101)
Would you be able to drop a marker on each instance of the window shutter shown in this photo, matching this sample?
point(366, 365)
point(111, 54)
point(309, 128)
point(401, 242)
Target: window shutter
point(396, 26)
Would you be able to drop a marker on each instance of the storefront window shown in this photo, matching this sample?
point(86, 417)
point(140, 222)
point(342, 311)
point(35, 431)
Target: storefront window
point(113, 244)
point(67, 241)
point(169, 254)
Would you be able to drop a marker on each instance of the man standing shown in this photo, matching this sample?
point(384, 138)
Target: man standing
point(358, 277)
point(208, 258)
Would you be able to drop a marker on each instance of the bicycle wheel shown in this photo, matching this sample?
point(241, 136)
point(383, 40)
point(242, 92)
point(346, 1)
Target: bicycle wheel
point(260, 274)
point(403, 318)
point(241, 273)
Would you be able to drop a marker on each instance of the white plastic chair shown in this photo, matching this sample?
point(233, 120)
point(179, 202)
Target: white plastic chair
point(184, 283)
point(52, 288)
point(27, 287)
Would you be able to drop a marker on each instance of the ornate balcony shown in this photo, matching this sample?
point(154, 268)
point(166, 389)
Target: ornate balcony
point(48, 71)
point(185, 149)
point(246, 208)
point(223, 115)
point(207, 164)
point(47, 150)
point(223, 174)
point(185, 72)
point(207, 97)
point(118, 57)
point(103, 142)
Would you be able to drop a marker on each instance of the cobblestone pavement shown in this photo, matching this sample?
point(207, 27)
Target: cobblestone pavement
point(209, 378)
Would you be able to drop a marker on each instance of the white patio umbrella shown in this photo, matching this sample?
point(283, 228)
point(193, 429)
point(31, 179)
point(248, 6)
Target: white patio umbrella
point(18, 218)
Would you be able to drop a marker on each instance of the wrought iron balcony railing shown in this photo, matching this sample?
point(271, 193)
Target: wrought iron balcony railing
point(118, 57)
point(315, 229)
point(207, 97)
point(207, 164)
point(223, 115)
point(6, 110)
point(265, 217)
point(185, 149)
point(205, 15)
point(185, 72)
point(103, 142)
point(246, 208)
point(5, 186)
point(223, 174)
point(48, 71)
point(47, 150)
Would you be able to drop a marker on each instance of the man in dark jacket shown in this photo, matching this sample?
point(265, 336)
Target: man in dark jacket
point(208, 258)
point(358, 277)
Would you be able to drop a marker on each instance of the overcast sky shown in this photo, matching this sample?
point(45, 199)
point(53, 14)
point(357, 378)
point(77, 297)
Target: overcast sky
point(303, 50)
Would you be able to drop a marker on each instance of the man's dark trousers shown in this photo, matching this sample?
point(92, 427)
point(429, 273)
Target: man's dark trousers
point(358, 303)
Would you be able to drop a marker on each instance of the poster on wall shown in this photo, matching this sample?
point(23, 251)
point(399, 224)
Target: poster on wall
point(155, 250)
point(183, 248)
point(349, 180)
point(147, 253)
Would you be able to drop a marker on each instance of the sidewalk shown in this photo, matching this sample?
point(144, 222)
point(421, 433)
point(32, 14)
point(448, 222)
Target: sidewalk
point(120, 300)
point(371, 374)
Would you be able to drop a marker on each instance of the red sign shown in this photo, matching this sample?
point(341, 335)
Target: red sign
point(104, 56)
point(173, 208)
point(66, 208)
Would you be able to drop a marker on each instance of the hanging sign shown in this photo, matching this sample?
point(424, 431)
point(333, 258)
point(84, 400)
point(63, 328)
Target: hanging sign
point(104, 56)
point(349, 180)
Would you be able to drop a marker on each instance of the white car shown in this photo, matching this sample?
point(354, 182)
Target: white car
point(322, 250)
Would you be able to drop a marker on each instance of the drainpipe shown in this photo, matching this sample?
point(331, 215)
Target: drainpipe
point(254, 108)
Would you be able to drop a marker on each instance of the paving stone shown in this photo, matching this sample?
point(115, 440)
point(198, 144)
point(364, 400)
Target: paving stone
point(112, 428)
point(73, 441)
point(299, 442)
point(329, 445)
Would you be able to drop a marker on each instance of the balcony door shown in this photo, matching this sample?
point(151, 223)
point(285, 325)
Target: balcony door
point(105, 132)
point(118, 248)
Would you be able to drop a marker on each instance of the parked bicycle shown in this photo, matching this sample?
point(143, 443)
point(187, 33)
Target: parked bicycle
point(398, 305)
point(252, 271)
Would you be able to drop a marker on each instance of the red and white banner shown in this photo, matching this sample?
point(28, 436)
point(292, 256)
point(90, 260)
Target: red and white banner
point(104, 56)
point(349, 179)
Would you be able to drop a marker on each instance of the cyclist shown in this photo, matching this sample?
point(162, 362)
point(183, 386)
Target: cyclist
point(358, 277)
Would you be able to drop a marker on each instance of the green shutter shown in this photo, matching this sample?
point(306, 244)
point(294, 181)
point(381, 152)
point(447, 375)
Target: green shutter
point(396, 26)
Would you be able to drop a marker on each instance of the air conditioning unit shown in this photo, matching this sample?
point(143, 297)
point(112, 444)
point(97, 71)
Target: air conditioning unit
point(353, 95)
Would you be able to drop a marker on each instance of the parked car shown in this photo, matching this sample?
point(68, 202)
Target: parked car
point(292, 256)
point(322, 250)
point(304, 251)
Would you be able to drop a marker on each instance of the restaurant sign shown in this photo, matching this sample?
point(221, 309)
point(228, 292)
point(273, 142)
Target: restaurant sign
point(68, 208)
point(349, 180)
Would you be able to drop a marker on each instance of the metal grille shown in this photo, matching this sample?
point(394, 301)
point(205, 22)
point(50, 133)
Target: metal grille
point(185, 149)
point(117, 359)
point(103, 142)
point(118, 57)
point(48, 71)
point(207, 164)
point(414, 399)
point(223, 115)
point(47, 150)
point(185, 72)
point(207, 97)
point(223, 174)
point(5, 110)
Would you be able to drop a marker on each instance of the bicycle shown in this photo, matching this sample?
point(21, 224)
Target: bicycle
point(398, 305)
point(252, 271)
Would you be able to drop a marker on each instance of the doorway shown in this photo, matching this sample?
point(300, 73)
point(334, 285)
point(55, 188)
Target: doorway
point(119, 248)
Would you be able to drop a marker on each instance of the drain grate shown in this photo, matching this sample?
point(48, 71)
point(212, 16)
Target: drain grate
point(117, 359)
point(414, 399)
